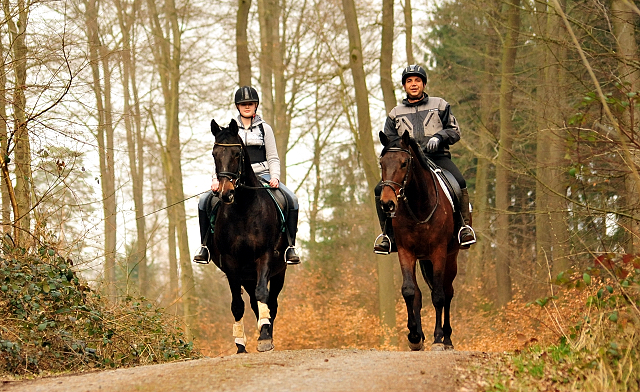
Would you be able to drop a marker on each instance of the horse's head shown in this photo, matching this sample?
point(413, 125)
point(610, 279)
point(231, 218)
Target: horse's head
point(230, 156)
point(395, 162)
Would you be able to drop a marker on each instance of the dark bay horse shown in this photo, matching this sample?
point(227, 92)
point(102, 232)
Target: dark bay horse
point(424, 226)
point(248, 244)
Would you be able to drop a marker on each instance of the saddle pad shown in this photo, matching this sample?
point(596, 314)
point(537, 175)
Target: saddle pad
point(444, 187)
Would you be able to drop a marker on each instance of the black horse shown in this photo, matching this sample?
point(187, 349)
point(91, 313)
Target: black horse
point(248, 244)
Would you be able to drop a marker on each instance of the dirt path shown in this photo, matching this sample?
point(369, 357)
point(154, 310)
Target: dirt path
point(301, 370)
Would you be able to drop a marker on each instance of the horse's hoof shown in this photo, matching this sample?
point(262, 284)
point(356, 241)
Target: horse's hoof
point(438, 347)
point(448, 347)
point(416, 346)
point(241, 349)
point(265, 345)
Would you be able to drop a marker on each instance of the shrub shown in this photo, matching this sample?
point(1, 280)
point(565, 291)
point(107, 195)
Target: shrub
point(53, 321)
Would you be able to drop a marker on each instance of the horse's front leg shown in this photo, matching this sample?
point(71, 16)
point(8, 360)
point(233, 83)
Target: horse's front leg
point(265, 340)
point(412, 297)
point(237, 308)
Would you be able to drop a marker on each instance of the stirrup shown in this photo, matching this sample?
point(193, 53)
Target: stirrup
point(208, 256)
point(383, 236)
point(291, 262)
point(466, 243)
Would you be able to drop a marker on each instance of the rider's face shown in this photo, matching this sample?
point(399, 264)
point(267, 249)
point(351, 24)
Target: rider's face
point(247, 109)
point(414, 86)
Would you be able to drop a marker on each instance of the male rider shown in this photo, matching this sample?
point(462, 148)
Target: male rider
point(430, 122)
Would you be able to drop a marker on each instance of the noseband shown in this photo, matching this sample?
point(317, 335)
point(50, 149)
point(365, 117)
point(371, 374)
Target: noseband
point(400, 195)
point(233, 177)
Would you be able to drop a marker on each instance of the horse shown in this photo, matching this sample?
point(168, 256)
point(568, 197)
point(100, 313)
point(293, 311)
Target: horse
point(248, 243)
point(424, 225)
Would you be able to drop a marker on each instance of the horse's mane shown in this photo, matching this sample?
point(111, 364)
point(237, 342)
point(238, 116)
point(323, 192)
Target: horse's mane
point(413, 145)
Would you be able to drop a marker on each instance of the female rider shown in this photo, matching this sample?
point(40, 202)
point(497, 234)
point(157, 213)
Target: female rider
point(260, 142)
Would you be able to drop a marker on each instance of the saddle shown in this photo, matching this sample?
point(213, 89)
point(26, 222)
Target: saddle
point(277, 195)
point(449, 183)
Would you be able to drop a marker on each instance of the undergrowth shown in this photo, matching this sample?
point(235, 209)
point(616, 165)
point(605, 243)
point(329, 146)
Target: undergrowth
point(599, 352)
point(52, 321)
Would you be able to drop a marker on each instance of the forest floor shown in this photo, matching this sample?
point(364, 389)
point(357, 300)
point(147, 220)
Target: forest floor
point(299, 370)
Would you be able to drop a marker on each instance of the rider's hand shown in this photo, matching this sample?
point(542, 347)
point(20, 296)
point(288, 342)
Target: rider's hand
point(432, 144)
point(215, 185)
point(274, 183)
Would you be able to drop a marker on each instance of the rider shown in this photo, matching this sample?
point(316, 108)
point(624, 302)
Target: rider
point(434, 133)
point(260, 142)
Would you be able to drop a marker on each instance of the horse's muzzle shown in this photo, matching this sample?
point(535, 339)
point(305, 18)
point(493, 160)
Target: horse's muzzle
point(228, 197)
point(389, 207)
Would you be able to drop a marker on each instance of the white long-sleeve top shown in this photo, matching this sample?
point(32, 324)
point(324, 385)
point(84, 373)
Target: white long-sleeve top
point(253, 137)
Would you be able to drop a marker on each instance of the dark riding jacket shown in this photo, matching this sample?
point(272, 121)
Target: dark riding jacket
point(431, 116)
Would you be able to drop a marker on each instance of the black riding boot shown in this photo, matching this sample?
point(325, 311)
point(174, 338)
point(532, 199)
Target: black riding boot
point(202, 256)
point(384, 242)
point(292, 228)
point(466, 235)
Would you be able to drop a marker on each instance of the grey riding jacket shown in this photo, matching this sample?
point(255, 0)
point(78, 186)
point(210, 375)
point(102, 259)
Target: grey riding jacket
point(431, 116)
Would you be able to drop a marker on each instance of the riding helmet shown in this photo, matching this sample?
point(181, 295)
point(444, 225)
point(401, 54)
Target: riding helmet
point(414, 70)
point(246, 94)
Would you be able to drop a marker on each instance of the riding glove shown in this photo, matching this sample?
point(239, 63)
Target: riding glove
point(432, 144)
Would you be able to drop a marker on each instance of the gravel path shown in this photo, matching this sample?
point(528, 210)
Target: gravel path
point(300, 370)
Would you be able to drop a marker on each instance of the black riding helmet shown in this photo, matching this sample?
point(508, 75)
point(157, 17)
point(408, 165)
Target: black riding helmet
point(246, 94)
point(414, 70)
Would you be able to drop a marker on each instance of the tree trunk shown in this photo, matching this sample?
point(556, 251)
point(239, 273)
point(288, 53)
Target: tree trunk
point(22, 148)
point(167, 56)
point(386, 56)
point(133, 128)
point(624, 20)
point(408, 28)
point(503, 232)
point(242, 43)
point(481, 213)
point(265, 16)
point(4, 148)
point(104, 137)
point(364, 144)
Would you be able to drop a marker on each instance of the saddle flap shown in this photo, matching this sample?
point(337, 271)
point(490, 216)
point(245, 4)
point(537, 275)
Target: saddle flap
point(278, 197)
point(450, 184)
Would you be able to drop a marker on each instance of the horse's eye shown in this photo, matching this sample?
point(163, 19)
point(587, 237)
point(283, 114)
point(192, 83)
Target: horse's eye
point(404, 164)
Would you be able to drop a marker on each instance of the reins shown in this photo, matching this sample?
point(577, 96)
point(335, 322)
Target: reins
point(400, 194)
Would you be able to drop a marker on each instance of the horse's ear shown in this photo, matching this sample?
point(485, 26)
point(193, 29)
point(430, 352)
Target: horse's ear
point(215, 128)
point(384, 139)
point(233, 127)
point(406, 138)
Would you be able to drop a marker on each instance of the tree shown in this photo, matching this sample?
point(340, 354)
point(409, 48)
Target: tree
point(167, 54)
point(503, 183)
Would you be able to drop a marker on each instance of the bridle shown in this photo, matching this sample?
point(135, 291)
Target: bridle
point(399, 192)
point(233, 177)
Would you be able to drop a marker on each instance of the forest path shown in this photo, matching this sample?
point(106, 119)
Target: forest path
point(299, 370)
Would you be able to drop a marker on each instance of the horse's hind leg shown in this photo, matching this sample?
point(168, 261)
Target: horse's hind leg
point(237, 308)
point(450, 275)
point(438, 298)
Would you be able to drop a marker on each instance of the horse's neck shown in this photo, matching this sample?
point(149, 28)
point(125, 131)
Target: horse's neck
point(423, 185)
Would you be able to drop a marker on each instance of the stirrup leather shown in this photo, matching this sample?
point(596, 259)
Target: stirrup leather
point(381, 237)
point(466, 243)
point(208, 256)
